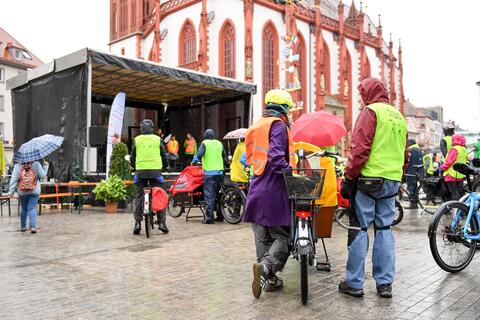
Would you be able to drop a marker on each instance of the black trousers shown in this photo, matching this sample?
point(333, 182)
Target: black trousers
point(455, 188)
point(139, 200)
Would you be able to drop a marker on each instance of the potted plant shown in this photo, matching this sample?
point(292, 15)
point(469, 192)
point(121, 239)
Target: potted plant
point(121, 168)
point(111, 191)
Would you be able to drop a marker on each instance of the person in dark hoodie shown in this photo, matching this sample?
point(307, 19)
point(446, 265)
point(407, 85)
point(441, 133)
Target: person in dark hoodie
point(213, 158)
point(376, 164)
point(147, 158)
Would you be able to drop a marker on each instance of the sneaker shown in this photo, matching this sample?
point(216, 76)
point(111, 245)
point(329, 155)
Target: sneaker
point(163, 227)
point(23, 229)
point(273, 283)
point(137, 228)
point(209, 221)
point(385, 290)
point(33, 230)
point(260, 276)
point(344, 288)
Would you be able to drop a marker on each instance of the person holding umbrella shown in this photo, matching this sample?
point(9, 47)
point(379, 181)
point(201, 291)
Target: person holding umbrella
point(27, 173)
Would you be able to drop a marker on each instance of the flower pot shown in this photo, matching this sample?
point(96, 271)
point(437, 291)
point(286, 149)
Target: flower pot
point(111, 207)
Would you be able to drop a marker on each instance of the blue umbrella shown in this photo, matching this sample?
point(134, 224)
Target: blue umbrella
point(38, 148)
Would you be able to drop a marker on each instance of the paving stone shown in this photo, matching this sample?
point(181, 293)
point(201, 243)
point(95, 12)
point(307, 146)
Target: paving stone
point(90, 266)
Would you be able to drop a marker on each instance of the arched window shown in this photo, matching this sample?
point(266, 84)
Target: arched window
point(302, 71)
point(123, 15)
point(187, 43)
point(227, 50)
point(269, 57)
point(326, 67)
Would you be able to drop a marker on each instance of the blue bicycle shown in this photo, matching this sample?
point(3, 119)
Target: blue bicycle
point(454, 230)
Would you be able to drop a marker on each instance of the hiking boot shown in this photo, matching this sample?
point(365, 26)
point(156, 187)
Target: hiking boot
point(385, 290)
point(163, 227)
point(273, 283)
point(344, 288)
point(260, 276)
point(219, 219)
point(209, 221)
point(137, 228)
point(33, 230)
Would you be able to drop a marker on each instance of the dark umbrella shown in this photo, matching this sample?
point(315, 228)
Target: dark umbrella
point(319, 128)
point(38, 148)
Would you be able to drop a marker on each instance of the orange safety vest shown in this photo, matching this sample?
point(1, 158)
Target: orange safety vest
point(172, 146)
point(257, 145)
point(190, 148)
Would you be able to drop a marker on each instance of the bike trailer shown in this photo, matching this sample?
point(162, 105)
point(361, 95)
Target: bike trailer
point(189, 179)
point(159, 199)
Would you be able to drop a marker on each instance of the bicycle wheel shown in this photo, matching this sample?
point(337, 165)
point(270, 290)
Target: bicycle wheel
point(173, 209)
point(451, 251)
point(148, 224)
point(232, 204)
point(304, 278)
point(398, 213)
point(428, 203)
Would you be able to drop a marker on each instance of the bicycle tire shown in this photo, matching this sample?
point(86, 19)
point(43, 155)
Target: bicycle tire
point(450, 238)
point(173, 210)
point(398, 213)
point(304, 278)
point(147, 225)
point(232, 204)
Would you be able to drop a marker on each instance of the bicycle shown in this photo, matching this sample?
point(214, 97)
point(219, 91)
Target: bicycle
point(148, 209)
point(233, 199)
point(341, 214)
point(425, 192)
point(303, 189)
point(455, 225)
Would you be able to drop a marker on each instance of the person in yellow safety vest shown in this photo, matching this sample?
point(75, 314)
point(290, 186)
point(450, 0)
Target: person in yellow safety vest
point(373, 176)
point(213, 157)
point(172, 149)
point(189, 148)
point(147, 159)
point(428, 165)
point(238, 172)
point(446, 142)
point(270, 152)
point(454, 179)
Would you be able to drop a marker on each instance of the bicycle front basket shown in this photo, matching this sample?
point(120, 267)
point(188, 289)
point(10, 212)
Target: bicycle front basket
point(305, 183)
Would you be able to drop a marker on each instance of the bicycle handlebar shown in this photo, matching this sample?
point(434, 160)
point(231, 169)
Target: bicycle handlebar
point(323, 153)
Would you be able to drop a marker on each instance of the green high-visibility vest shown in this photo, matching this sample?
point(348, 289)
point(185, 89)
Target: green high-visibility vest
point(462, 157)
point(448, 141)
point(147, 153)
point(429, 169)
point(387, 155)
point(212, 160)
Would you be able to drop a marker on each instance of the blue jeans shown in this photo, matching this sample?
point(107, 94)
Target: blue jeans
point(370, 209)
point(211, 189)
point(28, 203)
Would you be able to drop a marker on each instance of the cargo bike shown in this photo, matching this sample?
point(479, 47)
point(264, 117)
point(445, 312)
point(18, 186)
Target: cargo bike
point(304, 188)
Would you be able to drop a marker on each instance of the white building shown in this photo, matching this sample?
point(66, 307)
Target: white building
point(14, 58)
point(321, 52)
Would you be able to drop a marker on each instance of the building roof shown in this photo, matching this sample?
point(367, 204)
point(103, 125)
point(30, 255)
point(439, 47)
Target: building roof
point(9, 46)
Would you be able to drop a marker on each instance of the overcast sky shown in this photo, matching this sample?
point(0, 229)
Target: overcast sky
point(441, 47)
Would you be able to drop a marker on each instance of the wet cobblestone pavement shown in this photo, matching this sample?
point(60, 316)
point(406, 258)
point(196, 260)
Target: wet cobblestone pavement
point(90, 266)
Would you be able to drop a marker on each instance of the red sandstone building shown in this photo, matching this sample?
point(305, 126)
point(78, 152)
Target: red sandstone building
point(335, 46)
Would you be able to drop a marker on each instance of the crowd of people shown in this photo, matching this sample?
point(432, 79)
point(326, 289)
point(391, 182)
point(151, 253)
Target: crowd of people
point(381, 157)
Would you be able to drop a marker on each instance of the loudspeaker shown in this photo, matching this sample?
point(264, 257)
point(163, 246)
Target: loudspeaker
point(98, 135)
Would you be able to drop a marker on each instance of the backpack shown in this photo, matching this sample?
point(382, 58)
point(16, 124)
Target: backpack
point(28, 178)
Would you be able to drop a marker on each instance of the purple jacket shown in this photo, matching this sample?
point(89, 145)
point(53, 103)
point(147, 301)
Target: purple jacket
point(267, 201)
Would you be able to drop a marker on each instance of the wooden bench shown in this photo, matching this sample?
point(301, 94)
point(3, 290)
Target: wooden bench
point(5, 200)
point(60, 196)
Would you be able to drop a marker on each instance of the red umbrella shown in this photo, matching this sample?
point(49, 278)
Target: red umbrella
point(319, 128)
